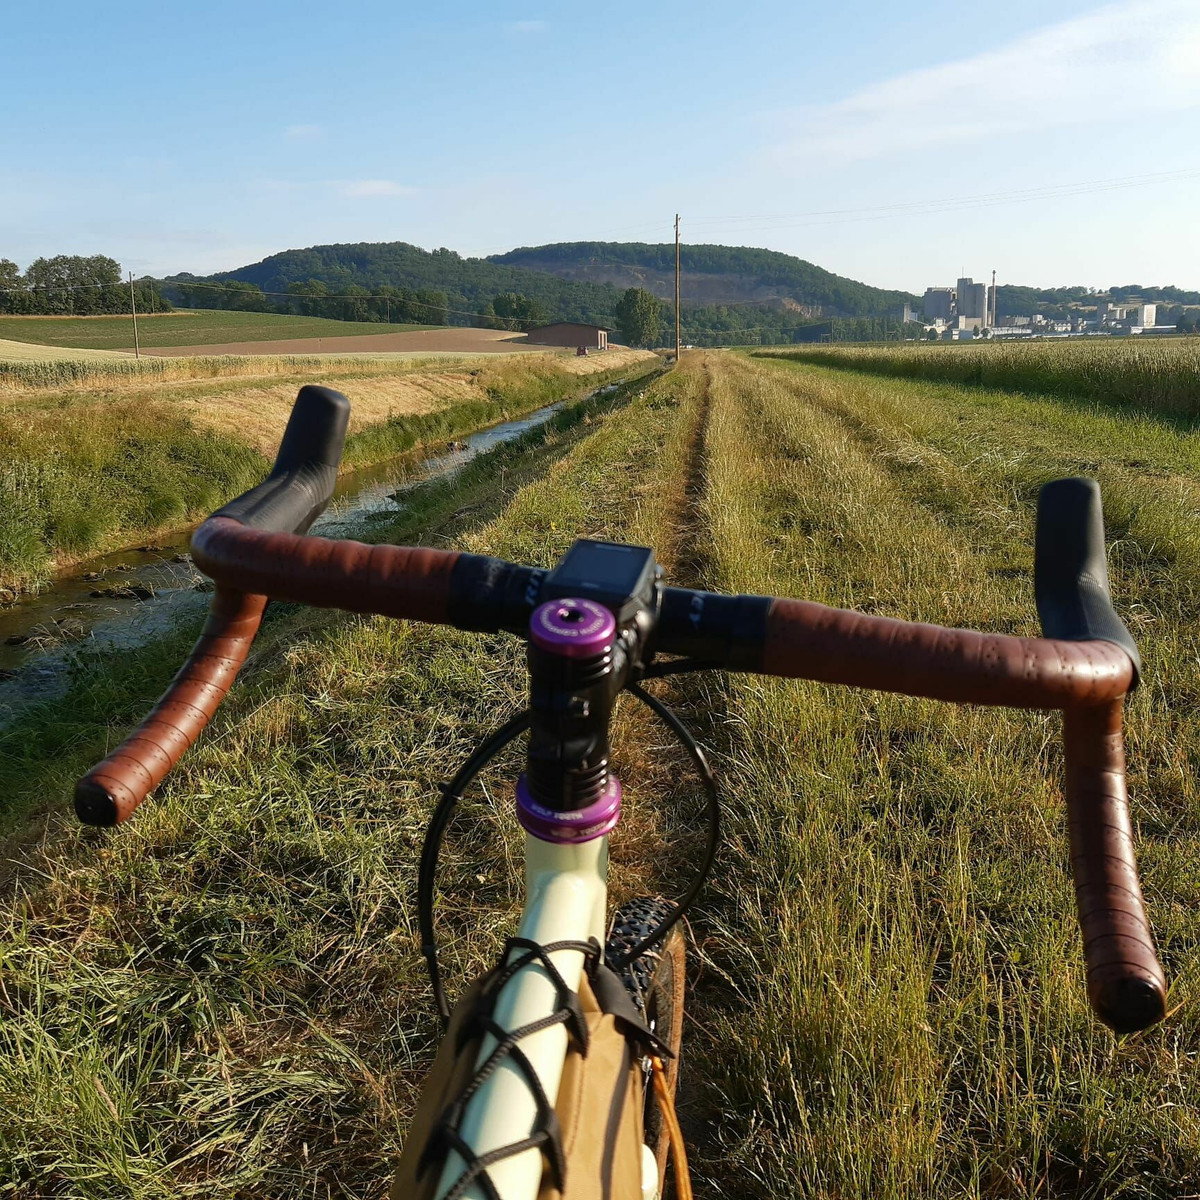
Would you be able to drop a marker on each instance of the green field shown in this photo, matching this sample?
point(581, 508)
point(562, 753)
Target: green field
point(226, 997)
point(190, 327)
point(1149, 374)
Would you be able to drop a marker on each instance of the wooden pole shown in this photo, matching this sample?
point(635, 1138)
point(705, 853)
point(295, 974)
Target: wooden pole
point(676, 287)
point(137, 350)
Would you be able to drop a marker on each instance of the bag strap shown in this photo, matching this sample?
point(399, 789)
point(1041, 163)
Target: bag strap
point(446, 1135)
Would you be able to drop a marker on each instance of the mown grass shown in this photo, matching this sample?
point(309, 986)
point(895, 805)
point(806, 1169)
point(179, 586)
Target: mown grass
point(898, 1008)
point(1158, 376)
point(225, 997)
point(192, 327)
point(83, 474)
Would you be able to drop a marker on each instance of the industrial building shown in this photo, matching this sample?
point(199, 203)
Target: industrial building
point(972, 299)
point(964, 306)
point(939, 303)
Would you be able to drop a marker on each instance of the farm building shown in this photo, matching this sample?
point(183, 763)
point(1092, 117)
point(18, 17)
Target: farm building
point(570, 333)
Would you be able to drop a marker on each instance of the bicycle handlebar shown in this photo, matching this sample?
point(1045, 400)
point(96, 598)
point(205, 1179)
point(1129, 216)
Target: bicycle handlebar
point(253, 548)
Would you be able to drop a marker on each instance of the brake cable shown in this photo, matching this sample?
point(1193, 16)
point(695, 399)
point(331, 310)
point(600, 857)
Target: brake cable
point(489, 749)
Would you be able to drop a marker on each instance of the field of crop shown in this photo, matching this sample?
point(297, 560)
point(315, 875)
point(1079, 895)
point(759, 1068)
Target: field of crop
point(226, 997)
point(83, 471)
point(1158, 374)
point(189, 327)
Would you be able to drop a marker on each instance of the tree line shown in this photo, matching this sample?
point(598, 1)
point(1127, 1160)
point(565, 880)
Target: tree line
point(74, 285)
point(315, 298)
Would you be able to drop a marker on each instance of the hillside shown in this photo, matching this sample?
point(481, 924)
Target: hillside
point(578, 281)
point(713, 275)
point(465, 283)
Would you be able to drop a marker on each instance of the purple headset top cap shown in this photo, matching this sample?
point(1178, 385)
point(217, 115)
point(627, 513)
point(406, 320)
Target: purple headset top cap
point(573, 628)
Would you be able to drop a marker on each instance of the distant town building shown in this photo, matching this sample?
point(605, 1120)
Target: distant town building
point(1145, 314)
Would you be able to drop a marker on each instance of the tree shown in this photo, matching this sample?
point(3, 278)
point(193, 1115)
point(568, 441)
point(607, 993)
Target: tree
point(13, 296)
point(639, 317)
point(514, 311)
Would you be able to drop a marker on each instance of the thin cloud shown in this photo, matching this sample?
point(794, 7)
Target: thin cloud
point(1135, 58)
point(304, 133)
point(528, 26)
point(356, 189)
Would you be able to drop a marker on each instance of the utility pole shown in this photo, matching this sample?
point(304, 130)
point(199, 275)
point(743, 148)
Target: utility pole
point(993, 321)
point(137, 350)
point(677, 287)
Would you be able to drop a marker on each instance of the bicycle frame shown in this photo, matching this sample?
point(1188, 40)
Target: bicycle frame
point(566, 899)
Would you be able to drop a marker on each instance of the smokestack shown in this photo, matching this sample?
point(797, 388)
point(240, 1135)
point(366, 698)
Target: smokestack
point(992, 323)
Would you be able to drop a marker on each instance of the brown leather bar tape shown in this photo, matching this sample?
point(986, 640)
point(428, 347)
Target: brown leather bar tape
point(110, 791)
point(393, 581)
point(1125, 981)
point(831, 645)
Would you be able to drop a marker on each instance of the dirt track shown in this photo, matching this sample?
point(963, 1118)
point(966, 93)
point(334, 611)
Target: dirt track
point(446, 341)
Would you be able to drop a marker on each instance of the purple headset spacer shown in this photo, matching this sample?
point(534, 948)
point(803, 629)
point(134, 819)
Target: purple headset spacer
point(569, 828)
point(572, 628)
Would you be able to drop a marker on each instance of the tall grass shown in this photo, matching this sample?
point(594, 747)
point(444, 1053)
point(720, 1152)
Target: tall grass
point(1160, 376)
point(225, 997)
point(83, 476)
point(93, 372)
point(898, 1005)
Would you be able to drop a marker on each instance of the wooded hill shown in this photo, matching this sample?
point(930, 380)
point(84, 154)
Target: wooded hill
point(713, 275)
point(726, 288)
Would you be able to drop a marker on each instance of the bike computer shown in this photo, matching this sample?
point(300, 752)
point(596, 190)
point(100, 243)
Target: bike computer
point(620, 577)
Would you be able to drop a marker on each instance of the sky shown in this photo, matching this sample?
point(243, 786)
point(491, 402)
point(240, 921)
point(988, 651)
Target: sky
point(900, 145)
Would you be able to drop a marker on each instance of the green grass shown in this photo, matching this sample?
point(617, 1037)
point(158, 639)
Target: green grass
point(80, 475)
point(225, 997)
point(191, 327)
point(252, 955)
point(896, 956)
point(1154, 375)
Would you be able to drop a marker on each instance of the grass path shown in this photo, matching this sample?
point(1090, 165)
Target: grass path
point(895, 946)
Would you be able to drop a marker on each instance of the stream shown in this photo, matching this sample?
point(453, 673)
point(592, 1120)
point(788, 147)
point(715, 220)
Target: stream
point(122, 600)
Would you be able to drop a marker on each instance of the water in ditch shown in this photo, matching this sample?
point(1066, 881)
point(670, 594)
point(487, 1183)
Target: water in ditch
point(122, 600)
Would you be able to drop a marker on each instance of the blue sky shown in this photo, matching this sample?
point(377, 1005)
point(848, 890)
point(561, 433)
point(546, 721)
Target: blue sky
point(897, 144)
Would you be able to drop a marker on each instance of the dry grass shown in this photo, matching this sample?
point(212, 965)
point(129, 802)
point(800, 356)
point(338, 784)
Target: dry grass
point(22, 352)
point(258, 414)
point(607, 360)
